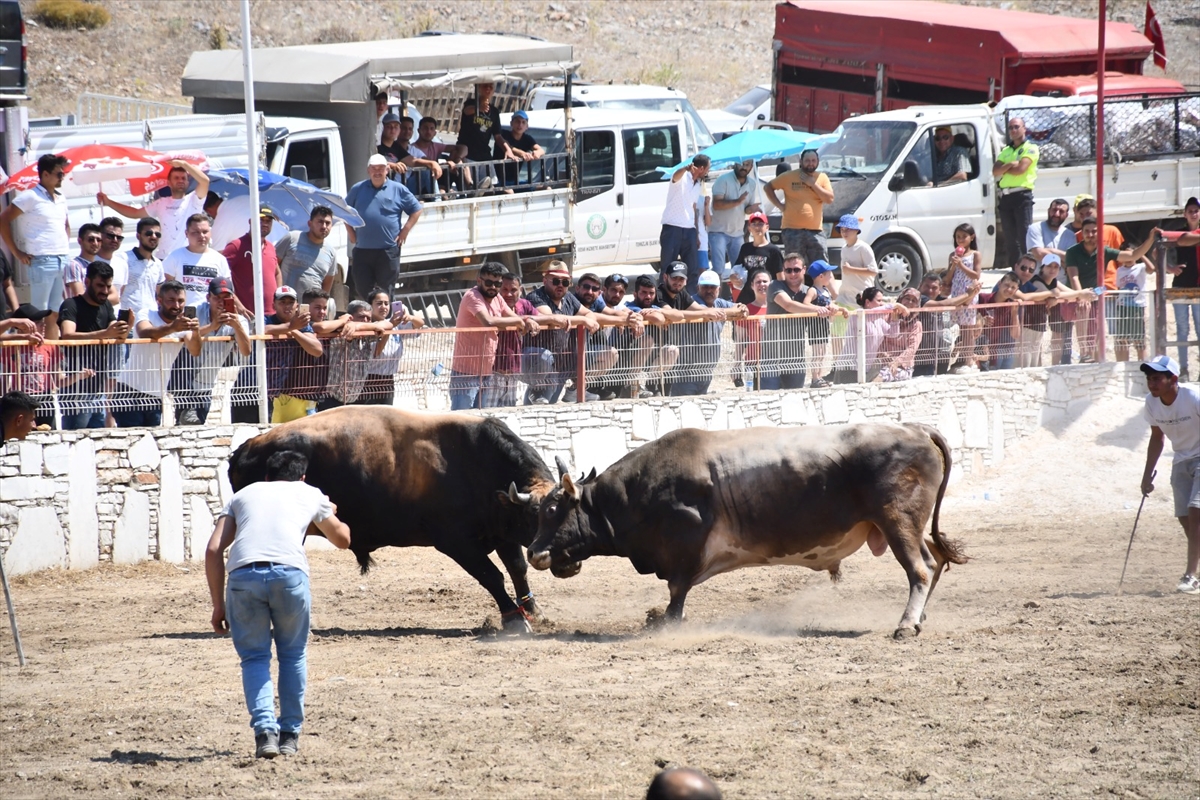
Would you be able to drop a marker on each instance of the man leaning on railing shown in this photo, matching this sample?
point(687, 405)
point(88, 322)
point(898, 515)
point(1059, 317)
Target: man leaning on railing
point(138, 400)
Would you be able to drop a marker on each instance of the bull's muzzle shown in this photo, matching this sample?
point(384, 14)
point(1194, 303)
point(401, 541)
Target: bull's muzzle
point(539, 560)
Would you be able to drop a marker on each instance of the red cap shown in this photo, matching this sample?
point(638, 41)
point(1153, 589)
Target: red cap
point(758, 215)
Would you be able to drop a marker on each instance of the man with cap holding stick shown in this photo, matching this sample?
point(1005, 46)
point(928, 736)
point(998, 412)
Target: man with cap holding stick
point(375, 259)
point(1173, 411)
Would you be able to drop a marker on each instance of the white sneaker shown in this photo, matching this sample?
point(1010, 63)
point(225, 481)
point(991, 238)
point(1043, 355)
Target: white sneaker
point(965, 369)
point(1189, 584)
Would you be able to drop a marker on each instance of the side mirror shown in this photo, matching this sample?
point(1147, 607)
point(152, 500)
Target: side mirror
point(896, 184)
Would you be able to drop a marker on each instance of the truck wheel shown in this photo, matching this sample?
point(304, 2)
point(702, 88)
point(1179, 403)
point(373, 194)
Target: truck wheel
point(900, 266)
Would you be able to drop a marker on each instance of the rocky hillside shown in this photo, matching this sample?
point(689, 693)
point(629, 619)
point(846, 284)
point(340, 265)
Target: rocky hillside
point(711, 49)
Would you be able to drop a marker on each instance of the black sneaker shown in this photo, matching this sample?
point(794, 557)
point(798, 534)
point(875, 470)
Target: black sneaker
point(267, 745)
point(289, 743)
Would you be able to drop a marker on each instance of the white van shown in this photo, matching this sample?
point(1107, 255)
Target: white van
point(631, 97)
point(617, 212)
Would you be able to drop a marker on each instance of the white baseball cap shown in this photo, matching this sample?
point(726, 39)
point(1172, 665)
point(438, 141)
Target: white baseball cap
point(709, 278)
point(1162, 364)
point(377, 160)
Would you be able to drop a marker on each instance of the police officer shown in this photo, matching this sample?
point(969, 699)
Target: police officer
point(1016, 171)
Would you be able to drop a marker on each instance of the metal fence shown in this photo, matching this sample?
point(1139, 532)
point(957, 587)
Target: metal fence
point(1134, 129)
point(93, 109)
point(479, 178)
point(143, 383)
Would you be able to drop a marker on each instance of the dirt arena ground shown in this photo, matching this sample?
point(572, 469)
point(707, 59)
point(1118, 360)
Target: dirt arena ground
point(1031, 678)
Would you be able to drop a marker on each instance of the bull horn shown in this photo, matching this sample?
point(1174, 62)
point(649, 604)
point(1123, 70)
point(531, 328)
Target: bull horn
point(591, 476)
point(518, 498)
point(562, 466)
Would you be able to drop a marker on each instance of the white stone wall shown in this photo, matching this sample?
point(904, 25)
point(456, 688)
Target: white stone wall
point(74, 498)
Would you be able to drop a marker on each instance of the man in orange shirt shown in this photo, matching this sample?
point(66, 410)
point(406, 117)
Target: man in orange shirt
point(805, 193)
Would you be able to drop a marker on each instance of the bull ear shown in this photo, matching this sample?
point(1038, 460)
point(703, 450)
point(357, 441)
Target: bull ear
point(570, 488)
point(515, 497)
point(562, 466)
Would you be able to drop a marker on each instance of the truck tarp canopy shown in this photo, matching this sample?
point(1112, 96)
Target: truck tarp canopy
point(344, 72)
point(926, 33)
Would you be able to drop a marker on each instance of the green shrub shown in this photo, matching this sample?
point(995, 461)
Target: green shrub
point(71, 14)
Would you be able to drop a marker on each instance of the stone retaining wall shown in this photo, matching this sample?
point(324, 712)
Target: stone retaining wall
point(75, 498)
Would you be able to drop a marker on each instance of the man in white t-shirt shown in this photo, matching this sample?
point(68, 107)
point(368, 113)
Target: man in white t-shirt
point(1173, 411)
point(172, 211)
point(268, 596)
point(197, 264)
point(112, 233)
point(218, 318)
point(44, 235)
point(145, 269)
point(137, 401)
point(679, 239)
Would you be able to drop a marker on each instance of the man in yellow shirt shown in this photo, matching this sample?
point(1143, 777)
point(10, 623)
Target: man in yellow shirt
point(1016, 172)
point(805, 193)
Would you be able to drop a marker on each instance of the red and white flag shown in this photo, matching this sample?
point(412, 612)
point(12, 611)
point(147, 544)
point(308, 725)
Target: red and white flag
point(1153, 32)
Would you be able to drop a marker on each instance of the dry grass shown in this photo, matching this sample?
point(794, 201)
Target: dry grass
point(71, 14)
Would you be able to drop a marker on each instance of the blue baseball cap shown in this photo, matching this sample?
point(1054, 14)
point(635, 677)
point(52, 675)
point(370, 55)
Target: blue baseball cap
point(520, 114)
point(817, 267)
point(849, 222)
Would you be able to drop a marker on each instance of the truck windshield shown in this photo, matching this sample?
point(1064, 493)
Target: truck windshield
point(670, 105)
point(865, 148)
point(744, 106)
point(552, 141)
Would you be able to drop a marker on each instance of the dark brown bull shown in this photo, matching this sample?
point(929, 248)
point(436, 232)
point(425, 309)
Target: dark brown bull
point(695, 504)
point(410, 479)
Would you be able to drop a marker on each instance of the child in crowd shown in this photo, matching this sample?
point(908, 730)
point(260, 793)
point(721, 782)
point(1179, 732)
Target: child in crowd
point(821, 293)
point(1128, 325)
point(965, 269)
point(1003, 323)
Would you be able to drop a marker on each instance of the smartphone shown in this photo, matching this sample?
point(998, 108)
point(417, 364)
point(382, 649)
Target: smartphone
point(190, 312)
point(397, 307)
point(230, 305)
point(303, 308)
point(127, 316)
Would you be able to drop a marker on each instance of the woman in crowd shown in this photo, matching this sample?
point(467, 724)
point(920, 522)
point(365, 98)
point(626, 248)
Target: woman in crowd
point(898, 351)
point(965, 269)
point(876, 325)
point(380, 386)
point(1043, 295)
point(820, 294)
point(1002, 323)
point(748, 332)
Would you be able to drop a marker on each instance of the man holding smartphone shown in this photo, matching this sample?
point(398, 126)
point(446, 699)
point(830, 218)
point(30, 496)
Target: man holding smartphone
point(218, 319)
point(138, 399)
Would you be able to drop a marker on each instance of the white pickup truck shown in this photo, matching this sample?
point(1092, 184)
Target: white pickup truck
point(881, 165)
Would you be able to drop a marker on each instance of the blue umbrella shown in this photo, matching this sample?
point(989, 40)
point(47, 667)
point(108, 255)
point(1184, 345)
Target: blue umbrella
point(757, 145)
point(291, 201)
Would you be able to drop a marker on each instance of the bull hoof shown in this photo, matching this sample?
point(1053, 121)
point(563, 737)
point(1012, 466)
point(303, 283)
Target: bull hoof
point(905, 633)
point(532, 610)
point(515, 623)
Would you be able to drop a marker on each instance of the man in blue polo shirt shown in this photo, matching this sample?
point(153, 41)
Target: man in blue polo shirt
point(375, 260)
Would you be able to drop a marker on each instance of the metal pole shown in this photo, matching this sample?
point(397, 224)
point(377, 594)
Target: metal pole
point(1159, 346)
point(580, 363)
point(260, 350)
point(1101, 265)
point(12, 616)
point(861, 345)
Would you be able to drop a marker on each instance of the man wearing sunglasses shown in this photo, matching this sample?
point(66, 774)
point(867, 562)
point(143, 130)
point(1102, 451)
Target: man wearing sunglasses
point(112, 234)
point(472, 383)
point(549, 357)
point(89, 239)
point(951, 164)
point(1016, 173)
point(145, 269)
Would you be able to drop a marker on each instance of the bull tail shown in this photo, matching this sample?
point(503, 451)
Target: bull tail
point(365, 562)
point(951, 548)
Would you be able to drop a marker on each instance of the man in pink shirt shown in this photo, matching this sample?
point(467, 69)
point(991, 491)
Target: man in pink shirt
point(241, 266)
point(475, 352)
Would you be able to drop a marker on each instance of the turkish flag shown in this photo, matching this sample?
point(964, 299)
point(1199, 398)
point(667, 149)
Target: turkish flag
point(1153, 32)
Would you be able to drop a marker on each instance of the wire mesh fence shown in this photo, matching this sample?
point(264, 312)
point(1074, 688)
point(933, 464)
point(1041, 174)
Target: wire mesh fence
point(1135, 128)
point(141, 383)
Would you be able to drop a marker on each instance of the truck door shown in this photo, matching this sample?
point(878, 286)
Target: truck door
point(599, 208)
point(646, 148)
point(944, 201)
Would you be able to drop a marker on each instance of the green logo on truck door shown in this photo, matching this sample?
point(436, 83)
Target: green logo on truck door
point(597, 225)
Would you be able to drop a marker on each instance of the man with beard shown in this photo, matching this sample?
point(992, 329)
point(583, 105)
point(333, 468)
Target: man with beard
point(734, 195)
point(89, 316)
point(1053, 235)
point(89, 239)
point(471, 379)
point(175, 211)
point(138, 399)
point(145, 270)
point(550, 357)
point(805, 193)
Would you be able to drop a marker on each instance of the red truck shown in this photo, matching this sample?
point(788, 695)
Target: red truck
point(834, 61)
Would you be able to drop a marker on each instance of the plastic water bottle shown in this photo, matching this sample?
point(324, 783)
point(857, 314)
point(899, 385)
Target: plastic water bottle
point(748, 379)
point(438, 369)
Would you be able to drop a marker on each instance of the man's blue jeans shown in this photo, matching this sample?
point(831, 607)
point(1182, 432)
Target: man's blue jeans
point(722, 250)
point(537, 370)
point(262, 603)
point(46, 281)
point(679, 244)
point(83, 411)
point(1182, 312)
point(466, 391)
